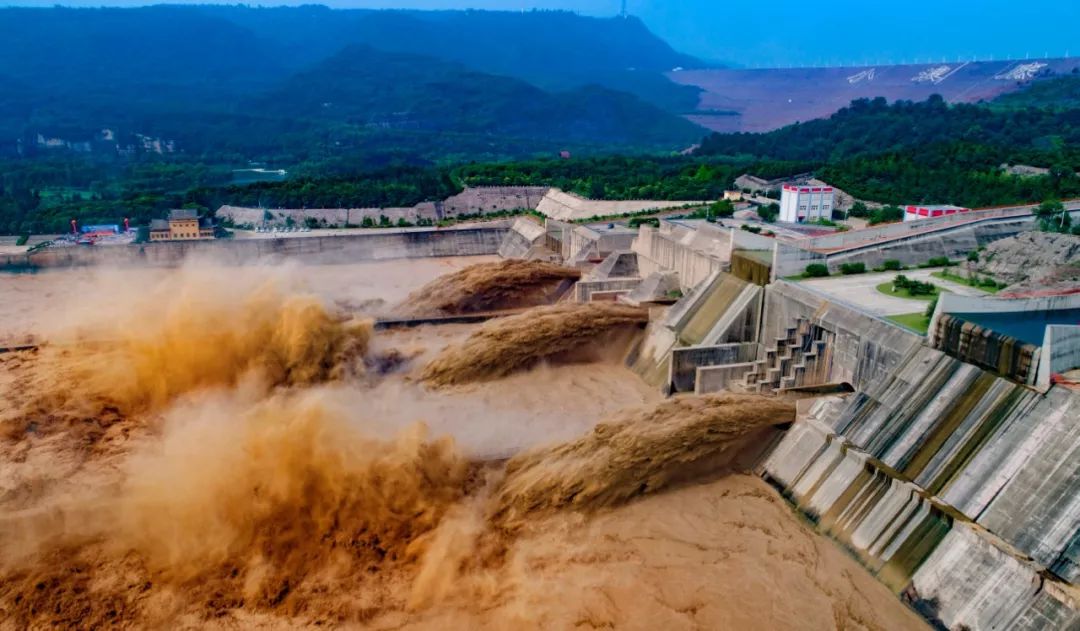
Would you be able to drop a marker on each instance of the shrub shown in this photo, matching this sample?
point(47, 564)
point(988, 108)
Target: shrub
point(912, 286)
point(722, 208)
point(816, 270)
point(859, 209)
point(754, 229)
point(886, 214)
point(769, 212)
point(852, 268)
point(988, 282)
point(892, 265)
point(930, 308)
point(939, 261)
point(1052, 217)
point(644, 221)
point(23, 238)
point(368, 222)
point(973, 256)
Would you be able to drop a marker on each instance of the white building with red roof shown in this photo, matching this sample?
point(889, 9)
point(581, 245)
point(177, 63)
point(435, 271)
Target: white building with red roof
point(914, 213)
point(805, 202)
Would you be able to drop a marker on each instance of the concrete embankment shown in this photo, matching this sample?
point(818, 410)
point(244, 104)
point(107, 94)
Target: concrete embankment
point(482, 200)
point(911, 243)
point(954, 486)
point(372, 246)
point(957, 487)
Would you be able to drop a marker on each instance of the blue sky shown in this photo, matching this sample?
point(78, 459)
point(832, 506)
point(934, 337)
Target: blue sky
point(790, 32)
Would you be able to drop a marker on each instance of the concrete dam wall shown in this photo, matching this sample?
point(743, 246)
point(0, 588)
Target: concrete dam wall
point(370, 246)
point(862, 349)
point(956, 487)
point(479, 200)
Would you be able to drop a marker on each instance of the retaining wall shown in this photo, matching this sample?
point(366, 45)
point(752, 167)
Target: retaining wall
point(1060, 353)
point(911, 243)
point(863, 348)
point(565, 206)
point(719, 378)
point(523, 236)
point(471, 201)
point(584, 290)
point(619, 264)
point(694, 254)
point(686, 361)
point(376, 245)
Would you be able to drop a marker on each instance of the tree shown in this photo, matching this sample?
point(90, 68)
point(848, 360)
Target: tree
point(769, 212)
point(721, 208)
point(1053, 216)
point(859, 209)
point(886, 214)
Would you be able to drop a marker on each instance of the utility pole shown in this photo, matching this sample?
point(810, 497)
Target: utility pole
point(623, 13)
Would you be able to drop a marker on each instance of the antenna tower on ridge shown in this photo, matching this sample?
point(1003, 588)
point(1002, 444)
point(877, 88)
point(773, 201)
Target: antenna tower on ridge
point(623, 13)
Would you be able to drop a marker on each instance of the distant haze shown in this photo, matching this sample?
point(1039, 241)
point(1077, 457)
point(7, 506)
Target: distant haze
point(790, 32)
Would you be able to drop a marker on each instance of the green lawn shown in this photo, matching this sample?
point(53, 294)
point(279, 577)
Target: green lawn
point(946, 275)
point(917, 322)
point(887, 289)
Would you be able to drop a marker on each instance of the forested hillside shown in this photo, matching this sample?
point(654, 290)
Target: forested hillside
point(111, 113)
point(875, 126)
point(928, 152)
point(423, 94)
point(198, 77)
point(1059, 93)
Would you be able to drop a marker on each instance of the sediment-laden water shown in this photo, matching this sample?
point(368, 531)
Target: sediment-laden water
point(194, 453)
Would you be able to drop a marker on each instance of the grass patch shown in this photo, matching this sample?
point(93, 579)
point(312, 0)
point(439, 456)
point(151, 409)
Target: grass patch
point(988, 284)
point(887, 289)
point(917, 322)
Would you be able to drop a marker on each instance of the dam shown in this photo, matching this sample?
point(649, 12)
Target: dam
point(947, 463)
point(944, 461)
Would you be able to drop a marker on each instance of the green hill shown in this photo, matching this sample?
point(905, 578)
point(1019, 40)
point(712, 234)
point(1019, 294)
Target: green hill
point(387, 91)
point(235, 83)
point(868, 127)
point(1058, 93)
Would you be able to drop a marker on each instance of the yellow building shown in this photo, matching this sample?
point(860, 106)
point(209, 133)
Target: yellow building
point(182, 225)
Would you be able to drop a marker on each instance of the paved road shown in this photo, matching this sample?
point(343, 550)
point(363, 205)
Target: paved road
point(861, 291)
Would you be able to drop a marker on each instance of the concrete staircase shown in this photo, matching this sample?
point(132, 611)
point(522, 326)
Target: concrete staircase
point(796, 359)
